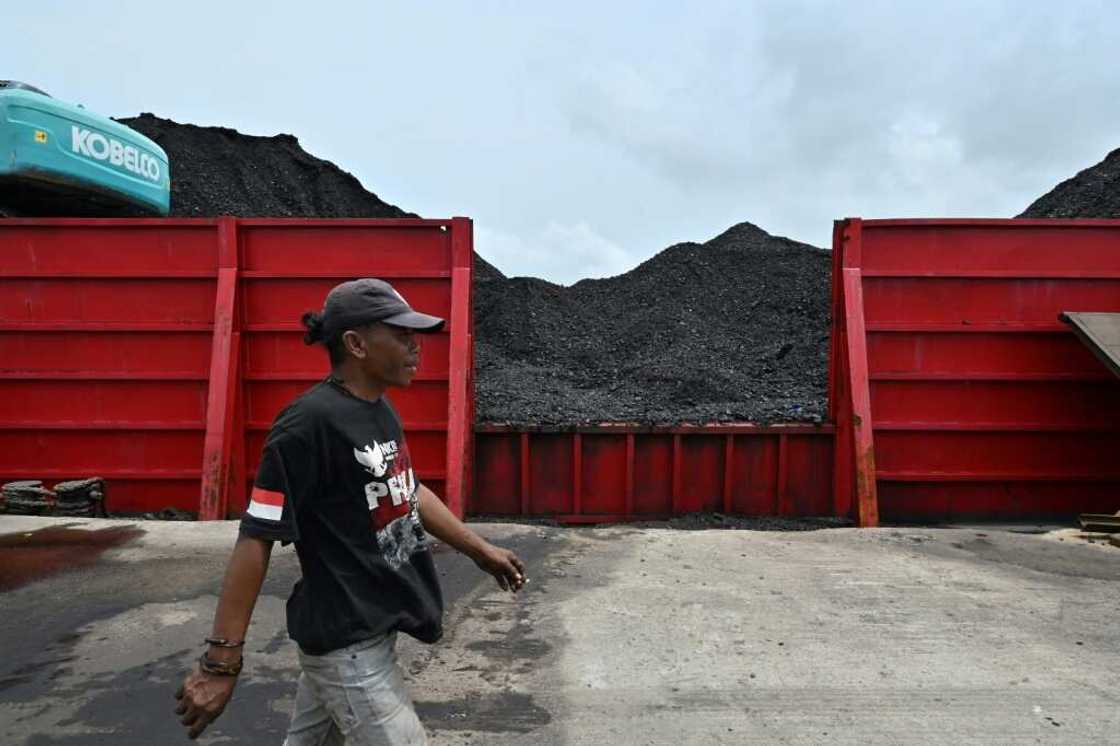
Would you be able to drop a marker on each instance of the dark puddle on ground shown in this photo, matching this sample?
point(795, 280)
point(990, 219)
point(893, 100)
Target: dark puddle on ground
point(28, 556)
point(512, 647)
point(504, 712)
point(135, 707)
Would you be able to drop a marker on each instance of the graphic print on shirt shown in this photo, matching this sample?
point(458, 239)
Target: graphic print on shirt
point(391, 497)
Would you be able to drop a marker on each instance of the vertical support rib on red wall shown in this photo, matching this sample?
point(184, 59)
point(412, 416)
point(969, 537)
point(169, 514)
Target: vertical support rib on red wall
point(728, 471)
point(577, 473)
point(678, 475)
point(629, 478)
point(837, 304)
point(840, 401)
point(459, 426)
point(867, 503)
point(523, 452)
point(224, 379)
point(783, 506)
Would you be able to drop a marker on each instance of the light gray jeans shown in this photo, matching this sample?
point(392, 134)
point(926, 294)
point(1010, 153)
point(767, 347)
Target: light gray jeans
point(354, 696)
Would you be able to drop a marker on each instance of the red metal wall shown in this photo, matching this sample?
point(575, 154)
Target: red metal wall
point(977, 400)
point(105, 336)
point(619, 473)
point(155, 353)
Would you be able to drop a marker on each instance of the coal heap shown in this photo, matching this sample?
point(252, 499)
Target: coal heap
point(734, 329)
point(219, 171)
point(1092, 193)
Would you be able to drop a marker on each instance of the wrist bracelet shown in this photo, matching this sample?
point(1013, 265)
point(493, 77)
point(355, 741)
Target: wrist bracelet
point(221, 642)
point(219, 668)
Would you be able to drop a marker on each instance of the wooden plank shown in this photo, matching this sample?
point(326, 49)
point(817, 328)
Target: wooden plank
point(1101, 334)
point(1102, 523)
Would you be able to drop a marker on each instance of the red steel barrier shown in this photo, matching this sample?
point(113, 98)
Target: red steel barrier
point(155, 353)
point(955, 389)
point(620, 473)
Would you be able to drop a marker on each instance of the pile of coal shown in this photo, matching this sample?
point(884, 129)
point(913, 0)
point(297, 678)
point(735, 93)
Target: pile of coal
point(1092, 193)
point(220, 171)
point(83, 498)
point(732, 330)
point(27, 497)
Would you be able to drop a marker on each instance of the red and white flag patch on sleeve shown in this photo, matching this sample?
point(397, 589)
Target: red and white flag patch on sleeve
point(266, 504)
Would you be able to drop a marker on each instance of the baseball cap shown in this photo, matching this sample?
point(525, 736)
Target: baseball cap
point(367, 300)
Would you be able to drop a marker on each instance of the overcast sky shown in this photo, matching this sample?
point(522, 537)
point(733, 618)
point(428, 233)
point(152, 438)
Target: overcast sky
point(585, 137)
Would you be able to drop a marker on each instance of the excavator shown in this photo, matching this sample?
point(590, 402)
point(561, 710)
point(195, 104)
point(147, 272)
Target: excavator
point(60, 160)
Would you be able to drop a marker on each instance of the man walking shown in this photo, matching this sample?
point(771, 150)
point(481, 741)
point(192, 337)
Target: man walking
point(336, 479)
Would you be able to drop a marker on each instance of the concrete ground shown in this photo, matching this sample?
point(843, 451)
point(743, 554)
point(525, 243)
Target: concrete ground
point(624, 636)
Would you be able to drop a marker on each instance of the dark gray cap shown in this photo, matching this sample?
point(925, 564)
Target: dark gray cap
point(359, 302)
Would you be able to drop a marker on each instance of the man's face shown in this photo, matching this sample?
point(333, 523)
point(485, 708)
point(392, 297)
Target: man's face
point(388, 354)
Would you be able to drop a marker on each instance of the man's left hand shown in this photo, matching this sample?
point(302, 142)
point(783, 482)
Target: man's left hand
point(504, 565)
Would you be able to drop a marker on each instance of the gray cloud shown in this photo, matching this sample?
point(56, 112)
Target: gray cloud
point(584, 139)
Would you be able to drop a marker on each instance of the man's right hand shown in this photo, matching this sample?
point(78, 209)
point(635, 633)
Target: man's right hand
point(202, 698)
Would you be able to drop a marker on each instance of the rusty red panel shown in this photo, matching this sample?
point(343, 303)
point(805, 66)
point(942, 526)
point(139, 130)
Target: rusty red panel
point(1010, 404)
point(497, 487)
point(751, 476)
point(117, 301)
point(603, 474)
point(550, 474)
point(108, 248)
point(84, 403)
point(427, 448)
point(284, 353)
point(809, 482)
point(90, 451)
point(983, 405)
point(353, 248)
point(1015, 249)
point(1007, 301)
point(702, 475)
point(139, 354)
point(755, 475)
point(937, 453)
point(975, 356)
point(653, 474)
point(955, 501)
point(282, 302)
point(110, 350)
point(422, 402)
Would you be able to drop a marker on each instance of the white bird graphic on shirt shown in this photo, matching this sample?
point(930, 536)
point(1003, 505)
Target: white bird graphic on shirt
point(372, 459)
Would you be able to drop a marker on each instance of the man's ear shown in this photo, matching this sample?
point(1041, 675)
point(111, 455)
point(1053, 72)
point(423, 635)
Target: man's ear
point(354, 344)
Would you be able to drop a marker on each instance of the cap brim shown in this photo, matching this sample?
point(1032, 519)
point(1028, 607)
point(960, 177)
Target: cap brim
point(421, 322)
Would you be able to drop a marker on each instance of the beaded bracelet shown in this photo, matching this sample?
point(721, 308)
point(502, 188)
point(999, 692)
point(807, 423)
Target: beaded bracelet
point(221, 642)
point(219, 668)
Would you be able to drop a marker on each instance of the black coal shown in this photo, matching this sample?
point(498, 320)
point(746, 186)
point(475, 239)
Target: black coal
point(219, 171)
point(1092, 193)
point(735, 329)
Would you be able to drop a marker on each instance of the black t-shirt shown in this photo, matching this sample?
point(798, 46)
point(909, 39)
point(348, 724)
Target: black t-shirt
point(336, 479)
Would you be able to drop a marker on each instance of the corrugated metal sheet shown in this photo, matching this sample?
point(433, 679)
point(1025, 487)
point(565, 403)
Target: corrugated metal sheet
point(155, 353)
point(979, 401)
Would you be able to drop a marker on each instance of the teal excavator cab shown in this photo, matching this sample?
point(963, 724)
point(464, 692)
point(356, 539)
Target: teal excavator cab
point(57, 159)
